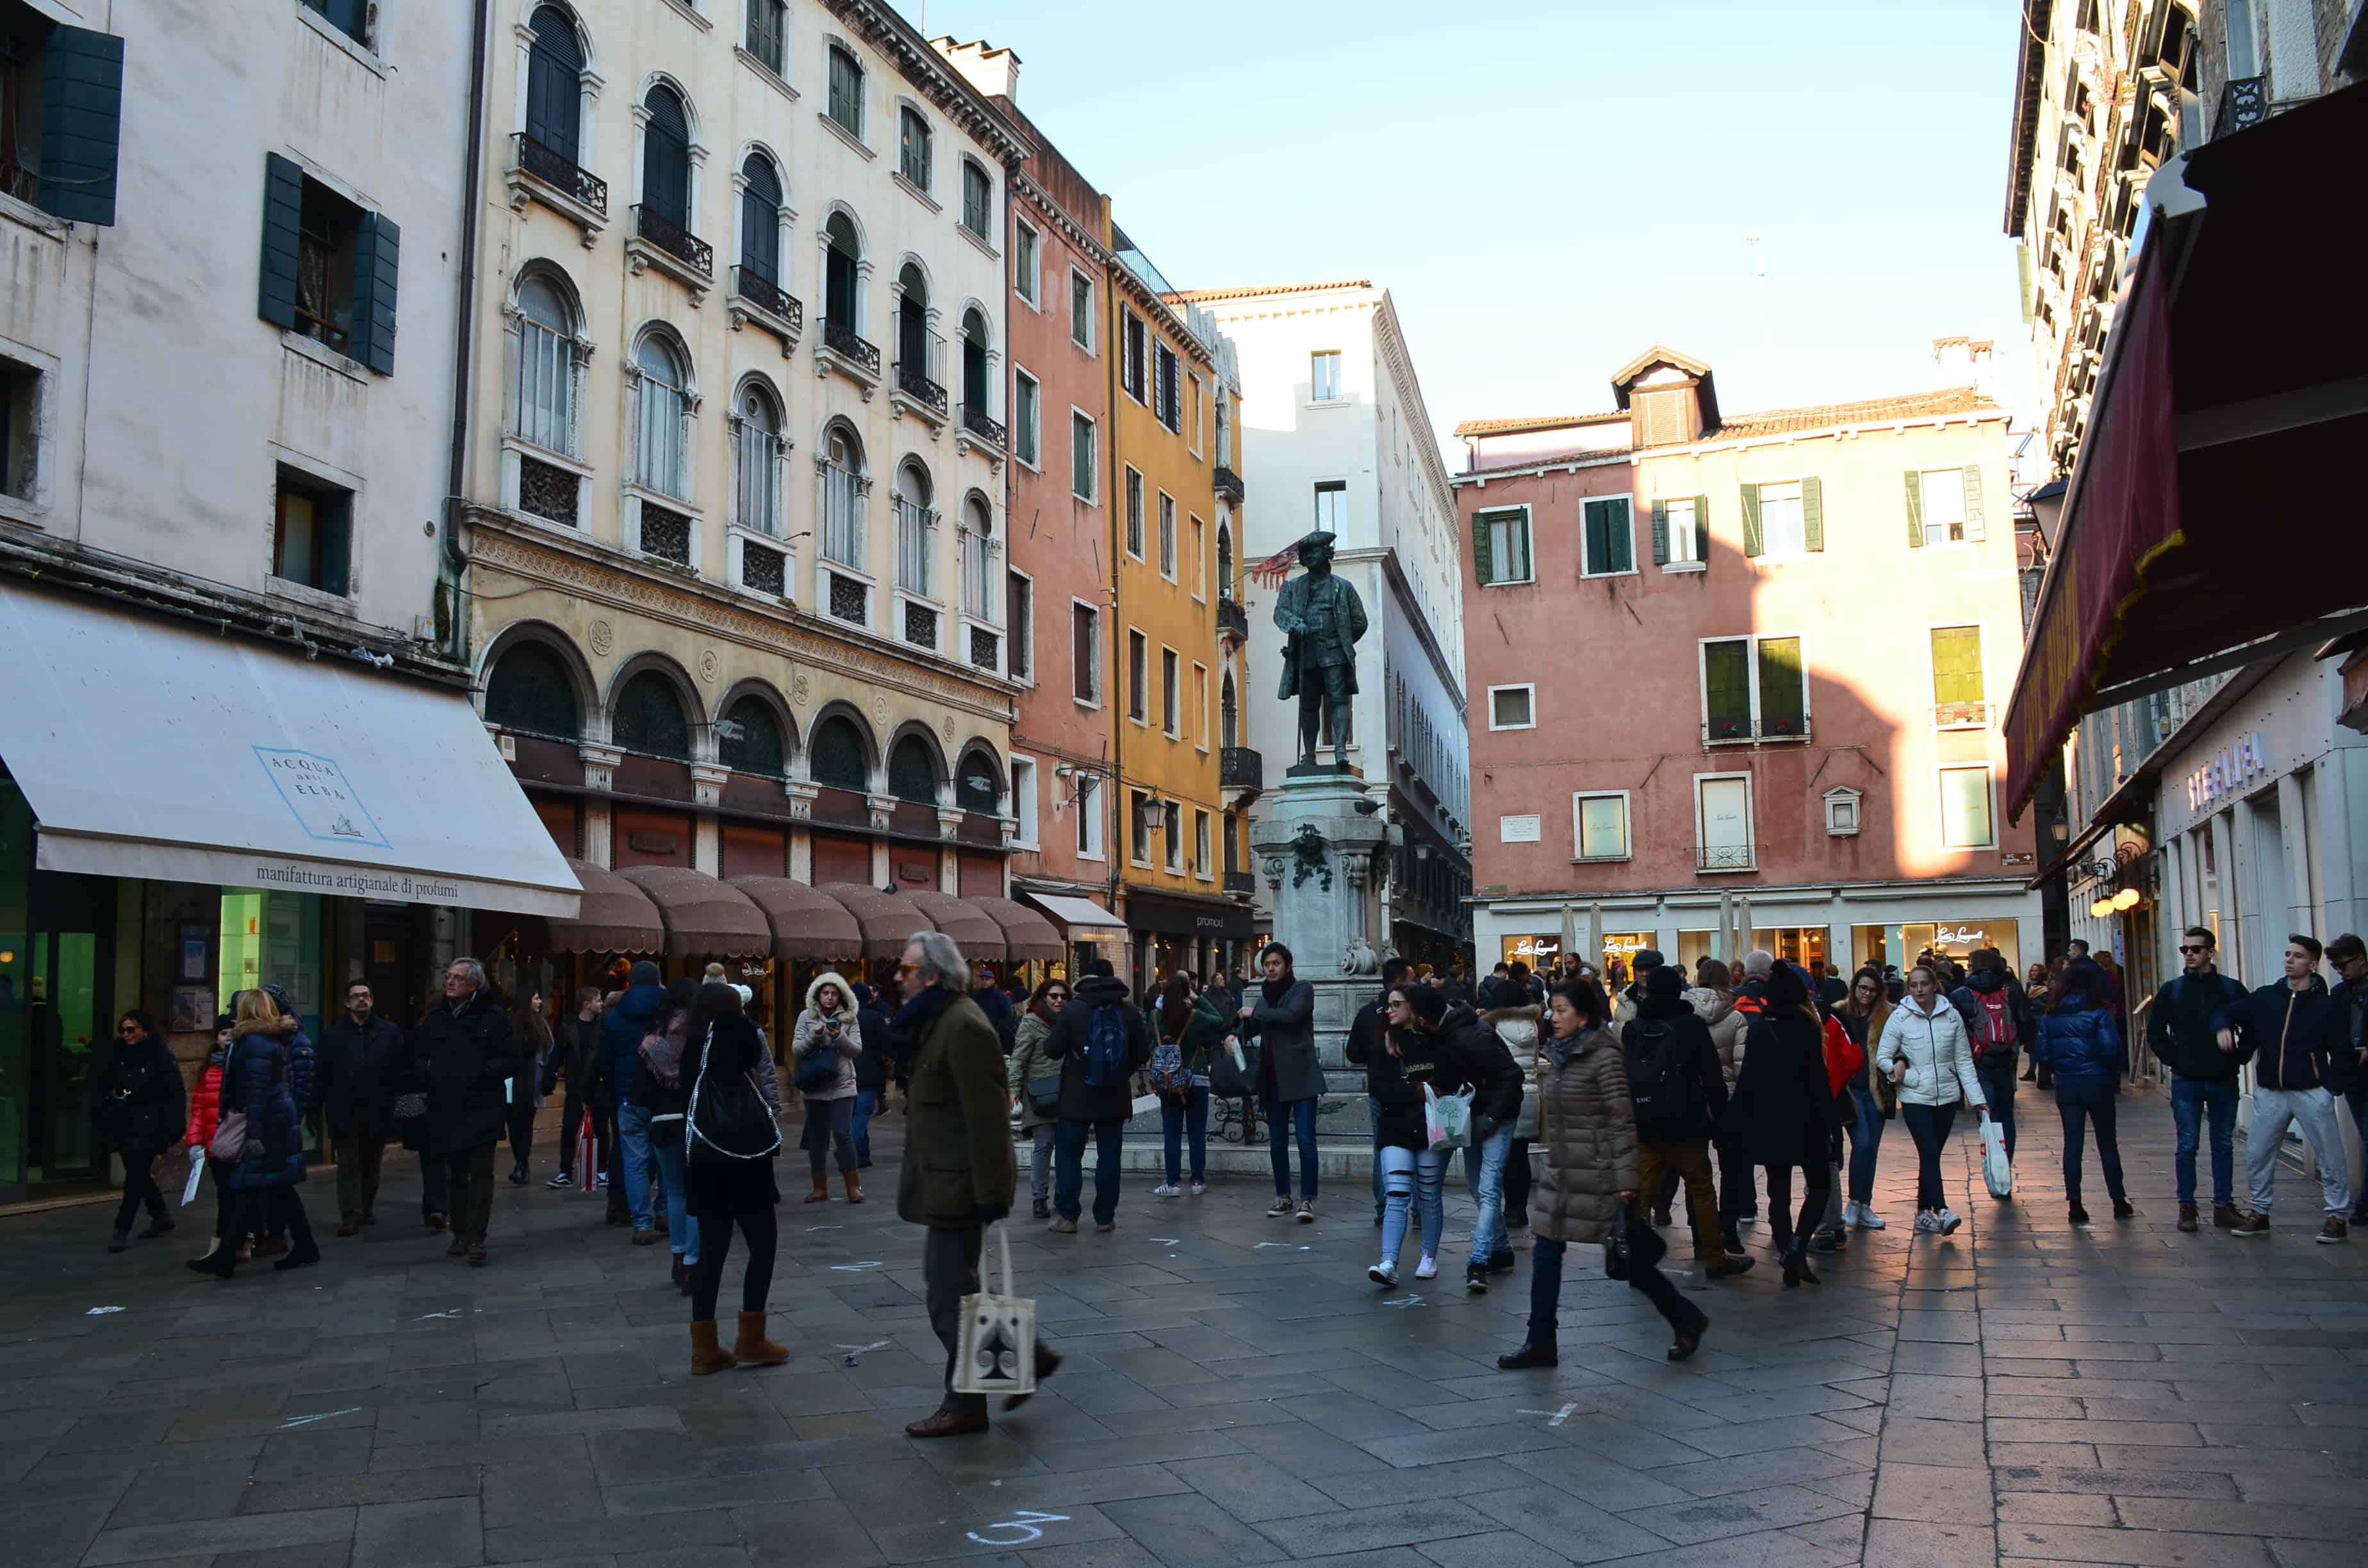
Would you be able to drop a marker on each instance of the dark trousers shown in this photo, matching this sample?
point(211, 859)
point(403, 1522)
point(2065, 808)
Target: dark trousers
point(1517, 1185)
point(1069, 1172)
point(1738, 1189)
point(828, 1122)
point(949, 1272)
point(1691, 1161)
point(361, 1152)
point(435, 1191)
point(1816, 1191)
point(1928, 1125)
point(2193, 1101)
point(1182, 1121)
point(866, 1106)
point(571, 1127)
point(1545, 1294)
point(2089, 1103)
point(1998, 1092)
point(1284, 1118)
point(471, 1174)
point(756, 1223)
point(614, 1161)
point(248, 1206)
point(520, 1121)
point(140, 1187)
point(2358, 1099)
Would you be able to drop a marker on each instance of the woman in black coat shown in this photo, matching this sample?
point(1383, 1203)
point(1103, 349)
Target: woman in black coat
point(139, 1109)
point(728, 1190)
point(1781, 1114)
point(255, 1083)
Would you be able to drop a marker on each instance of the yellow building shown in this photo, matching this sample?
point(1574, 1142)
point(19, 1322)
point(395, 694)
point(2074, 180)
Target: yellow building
point(1170, 380)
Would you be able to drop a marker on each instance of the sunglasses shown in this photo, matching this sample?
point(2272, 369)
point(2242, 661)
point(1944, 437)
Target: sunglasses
point(1056, 996)
point(2193, 947)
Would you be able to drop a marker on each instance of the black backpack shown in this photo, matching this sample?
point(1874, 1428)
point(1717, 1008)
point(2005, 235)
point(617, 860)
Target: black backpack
point(1668, 1103)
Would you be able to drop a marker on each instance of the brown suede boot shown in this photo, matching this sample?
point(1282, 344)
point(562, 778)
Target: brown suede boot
point(706, 1354)
point(752, 1348)
point(854, 1187)
point(820, 1193)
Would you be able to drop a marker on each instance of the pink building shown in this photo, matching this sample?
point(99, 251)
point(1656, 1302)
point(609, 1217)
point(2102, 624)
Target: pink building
point(1763, 654)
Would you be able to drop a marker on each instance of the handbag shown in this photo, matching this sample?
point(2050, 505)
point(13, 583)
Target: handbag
point(229, 1144)
point(728, 1118)
point(1044, 1095)
point(996, 1352)
point(1634, 1246)
point(1233, 1069)
point(411, 1106)
point(817, 1071)
point(1997, 1171)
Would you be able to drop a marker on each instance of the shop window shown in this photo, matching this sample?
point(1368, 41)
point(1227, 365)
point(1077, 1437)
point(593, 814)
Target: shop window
point(912, 772)
point(749, 739)
point(312, 532)
point(650, 717)
point(1599, 826)
point(838, 756)
point(532, 692)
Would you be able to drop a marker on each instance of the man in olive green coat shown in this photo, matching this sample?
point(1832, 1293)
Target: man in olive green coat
point(957, 1174)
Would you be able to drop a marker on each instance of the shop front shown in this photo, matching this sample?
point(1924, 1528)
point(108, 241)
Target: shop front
point(1085, 929)
point(1168, 932)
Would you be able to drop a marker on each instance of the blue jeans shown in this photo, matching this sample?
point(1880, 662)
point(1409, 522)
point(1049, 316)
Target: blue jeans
point(1178, 1118)
point(1997, 1091)
point(682, 1230)
point(1545, 1294)
point(1488, 1192)
point(1282, 1118)
point(1069, 1168)
point(1417, 1181)
point(633, 1151)
point(867, 1103)
point(1866, 1137)
point(2191, 1099)
point(1375, 1105)
point(2089, 1101)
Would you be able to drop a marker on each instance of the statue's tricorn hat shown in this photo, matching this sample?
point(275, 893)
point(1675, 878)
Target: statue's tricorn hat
point(1319, 540)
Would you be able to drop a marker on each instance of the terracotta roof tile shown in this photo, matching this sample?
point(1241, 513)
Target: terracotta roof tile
point(1201, 295)
point(1542, 460)
point(1532, 421)
point(1866, 410)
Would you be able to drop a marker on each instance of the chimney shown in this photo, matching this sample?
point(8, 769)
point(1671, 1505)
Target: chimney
point(994, 72)
point(1965, 362)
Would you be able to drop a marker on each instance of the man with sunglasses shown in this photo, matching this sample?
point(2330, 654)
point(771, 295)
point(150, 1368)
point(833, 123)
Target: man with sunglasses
point(2203, 1073)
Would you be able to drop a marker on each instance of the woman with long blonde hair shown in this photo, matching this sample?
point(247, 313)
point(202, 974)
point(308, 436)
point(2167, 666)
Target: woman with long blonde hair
point(269, 1164)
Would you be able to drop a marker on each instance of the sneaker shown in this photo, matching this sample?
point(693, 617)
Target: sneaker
point(1868, 1220)
point(119, 1241)
point(1503, 1262)
point(1749, 1217)
point(2187, 1221)
point(1927, 1221)
point(1948, 1222)
point(600, 1182)
point(1427, 1268)
point(1384, 1274)
point(1307, 1210)
point(2225, 1217)
point(2251, 1225)
point(1167, 1189)
point(1475, 1279)
point(2080, 1215)
point(2334, 1230)
point(1279, 1209)
point(1849, 1212)
point(561, 1180)
point(1063, 1225)
point(2124, 1209)
point(1199, 1188)
point(1727, 1267)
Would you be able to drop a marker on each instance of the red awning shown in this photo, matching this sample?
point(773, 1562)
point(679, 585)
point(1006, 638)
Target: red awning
point(2207, 524)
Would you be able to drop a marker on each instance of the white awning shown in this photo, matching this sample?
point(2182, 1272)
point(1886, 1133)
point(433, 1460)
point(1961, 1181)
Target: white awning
point(153, 748)
point(1076, 913)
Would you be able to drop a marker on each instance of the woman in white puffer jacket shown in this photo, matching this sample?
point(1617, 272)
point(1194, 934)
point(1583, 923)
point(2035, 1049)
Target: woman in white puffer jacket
point(1926, 1053)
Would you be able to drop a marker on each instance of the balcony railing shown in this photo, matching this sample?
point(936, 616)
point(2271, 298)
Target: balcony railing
point(1242, 882)
point(562, 173)
point(1229, 484)
point(1239, 767)
point(675, 240)
point(765, 295)
point(1961, 715)
point(1744, 732)
point(1233, 620)
point(1726, 858)
point(975, 420)
point(841, 340)
point(2244, 103)
point(914, 383)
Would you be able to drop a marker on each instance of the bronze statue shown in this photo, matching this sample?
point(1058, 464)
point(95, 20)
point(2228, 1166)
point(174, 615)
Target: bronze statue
point(1323, 618)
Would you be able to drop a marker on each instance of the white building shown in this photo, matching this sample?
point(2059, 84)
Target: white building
point(1335, 437)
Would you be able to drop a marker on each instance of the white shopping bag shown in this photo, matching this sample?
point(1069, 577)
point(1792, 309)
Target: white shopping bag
point(998, 1351)
point(197, 1175)
point(1446, 1122)
point(1995, 1169)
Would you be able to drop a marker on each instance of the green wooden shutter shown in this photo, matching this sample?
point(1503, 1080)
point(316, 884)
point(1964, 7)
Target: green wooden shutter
point(1480, 548)
point(1701, 529)
point(377, 241)
point(1660, 532)
point(1594, 544)
point(1813, 514)
point(1751, 543)
point(1619, 524)
point(82, 121)
point(1976, 529)
point(283, 216)
point(1915, 510)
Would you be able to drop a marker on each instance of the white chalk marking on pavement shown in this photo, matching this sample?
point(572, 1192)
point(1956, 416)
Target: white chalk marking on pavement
point(1415, 1301)
point(1028, 1524)
point(863, 1350)
point(1563, 1414)
point(324, 1416)
point(101, 1312)
point(811, 1229)
point(1167, 1241)
point(852, 1267)
point(425, 1316)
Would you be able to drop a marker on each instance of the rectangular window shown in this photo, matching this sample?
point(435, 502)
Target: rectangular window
point(1081, 311)
point(1943, 491)
point(20, 428)
point(1026, 419)
point(1754, 688)
point(1200, 560)
point(325, 236)
point(1083, 462)
point(1682, 529)
point(1199, 419)
point(979, 201)
point(1200, 843)
point(1019, 623)
point(846, 99)
point(1966, 808)
point(1723, 840)
point(1136, 364)
point(311, 534)
point(1023, 803)
point(1025, 265)
point(1727, 688)
point(1332, 506)
point(1134, 514)
point(1200, 706)
point(1089, 808)
point(1138, 677)
point(1957, 692)
point(1171, 696)
point(1500, 545)
point(1324, 376)
point(1784, 692)
point(1138, 827)
point(1599, 826)
point(1780, 529)
point(1609, 535)
point(913, 148)
point(1168, 535)
point(1172, 834)
point(768, 31)
point(1169, 398)
point(1085, 653)
point(1512, 707)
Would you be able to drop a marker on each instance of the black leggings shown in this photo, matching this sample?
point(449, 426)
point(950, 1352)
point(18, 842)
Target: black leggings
point(139, 1187)
point(756, 1223)
point(1816, 1191)
point(251, 1208)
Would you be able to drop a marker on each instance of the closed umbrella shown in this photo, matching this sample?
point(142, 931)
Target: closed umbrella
point(1570, 932)
point(1745, 937)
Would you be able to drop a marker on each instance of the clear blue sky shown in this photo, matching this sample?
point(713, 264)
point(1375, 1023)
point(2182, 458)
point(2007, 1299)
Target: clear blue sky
point(1548, 188)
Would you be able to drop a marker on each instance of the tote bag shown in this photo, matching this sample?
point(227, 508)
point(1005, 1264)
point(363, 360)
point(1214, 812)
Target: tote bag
point(996, 1353)
point(728, 1119)
point(1997, 1170)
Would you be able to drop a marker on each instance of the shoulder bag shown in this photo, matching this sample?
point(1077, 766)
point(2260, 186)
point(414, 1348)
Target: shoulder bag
point(728, 1118)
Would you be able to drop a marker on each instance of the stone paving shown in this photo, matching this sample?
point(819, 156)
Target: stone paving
point(1234, 1393)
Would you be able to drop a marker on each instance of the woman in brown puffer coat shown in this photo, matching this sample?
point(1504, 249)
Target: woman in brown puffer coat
point(1587, 1124)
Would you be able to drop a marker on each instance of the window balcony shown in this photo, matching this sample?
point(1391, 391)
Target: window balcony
point(754, 297)
point(544, 174)
point(1233, 620)
point(1229, 484)
point(977, 423)
point(1240, 767)
point(1739, 732)
point(858, 359)
point(1713, 859)
point(1961, 715)
point(658, 241)
point(1241, 884)
point(913, 389)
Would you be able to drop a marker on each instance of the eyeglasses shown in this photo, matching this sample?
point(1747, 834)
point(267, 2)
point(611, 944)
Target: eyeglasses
point(1056, 996)
point(2193, 947)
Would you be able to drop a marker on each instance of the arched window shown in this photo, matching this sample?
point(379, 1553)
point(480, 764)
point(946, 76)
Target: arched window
point(978, 200)
point(1229, 722)
point(913, 147)
point(912, 772)
point(976, 788)
point(749, 739)
point(838, 754)
point(913, 346)
point(1225, 559)
point(650, 720)
point(840, 265)
point(914, 522)
point(665, 157)
point(761, 219)
point(756, 460)
point(845, 105)
point(530, 690)
point(978, 558)
point(975, 381)
point(842, 500)
point(555, 84)
point(544, 412)
point(663, 405)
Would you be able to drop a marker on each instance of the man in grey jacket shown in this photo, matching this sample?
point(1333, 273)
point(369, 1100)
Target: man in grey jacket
point(1281, 1012)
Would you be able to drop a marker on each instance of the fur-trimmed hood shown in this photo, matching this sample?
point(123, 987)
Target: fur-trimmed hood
point(848, 1005)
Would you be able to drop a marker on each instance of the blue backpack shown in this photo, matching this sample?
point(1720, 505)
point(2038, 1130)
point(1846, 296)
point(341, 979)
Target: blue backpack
point(1106, 1047)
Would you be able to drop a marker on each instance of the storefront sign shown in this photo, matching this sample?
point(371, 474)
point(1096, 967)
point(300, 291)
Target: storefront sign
point(2228, 768)
point(315, 790)
point(1960, 936)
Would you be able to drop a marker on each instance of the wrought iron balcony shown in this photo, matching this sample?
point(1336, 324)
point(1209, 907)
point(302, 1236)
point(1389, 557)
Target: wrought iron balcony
point(1736, 731)
point(1726, 858)
point(974, 420)
point(1229, 484)
point(1239, 767)
point(914, 383)
point(675, 240)
point(765, 294)
point(2244, 103)
point(562, 173)
point(841, 340)
point(1233, 620)
point(1242, 883)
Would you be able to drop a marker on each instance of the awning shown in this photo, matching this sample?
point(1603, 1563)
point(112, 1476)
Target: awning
point(2228, 434)
point(1171, 916)
point(980, 939)
point(888, 920)
point(807, 922)
point(1085, 920)
point(704, 917)
point(615, 916)
point(1027, 936)
point(151, 748)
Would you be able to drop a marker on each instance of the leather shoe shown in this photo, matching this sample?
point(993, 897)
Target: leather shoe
point(1728, 1268)
point(947, 1424)
point(1688, 1340)
point(1047, 1363)
point(1528, 1356)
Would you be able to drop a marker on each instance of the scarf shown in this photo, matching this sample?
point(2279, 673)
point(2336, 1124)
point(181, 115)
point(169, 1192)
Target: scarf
point(1276, 990)
point(917, 1015)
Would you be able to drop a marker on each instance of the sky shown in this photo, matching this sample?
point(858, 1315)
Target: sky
point(1547, 190)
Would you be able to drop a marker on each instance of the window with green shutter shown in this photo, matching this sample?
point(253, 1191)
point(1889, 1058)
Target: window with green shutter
point(1609, 533)
point(1915, 510)
point(328, 267)
point(1813, 513)
point(1957, 687)
point(1727, 688)
point(837, 756)
point(376, 243)
point(1500, 545)
point(312, 535)
point(1754, 688)
point(1681, 532)
point(1976, 529)
point(1754, 542)
point(81, 121)
point(1783, 697)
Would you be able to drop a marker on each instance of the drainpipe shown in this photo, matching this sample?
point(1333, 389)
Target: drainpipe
point(464, 326)
point(1114, 498)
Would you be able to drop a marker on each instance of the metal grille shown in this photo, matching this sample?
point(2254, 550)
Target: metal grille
point(920, 626)
point(983, 647)
point(1726, 857)
point(665, 534)
point(547, 491)
point(761, 569)
point(850, 600)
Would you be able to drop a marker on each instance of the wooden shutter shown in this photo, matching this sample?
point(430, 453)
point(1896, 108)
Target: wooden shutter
point(333, 526)
point(1595, 544)
point(1619, 524)
point(1975, 529)
point(1813, 513)
point(1480, 548)
point(1701, 529)
point(1915, 510)
point(283, 217)
point(1751, 540)
point(376, 243)
point(81, 121)
point(1660, 532)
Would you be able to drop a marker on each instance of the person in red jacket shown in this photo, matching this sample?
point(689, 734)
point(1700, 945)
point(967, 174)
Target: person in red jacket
point(205, 1117)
